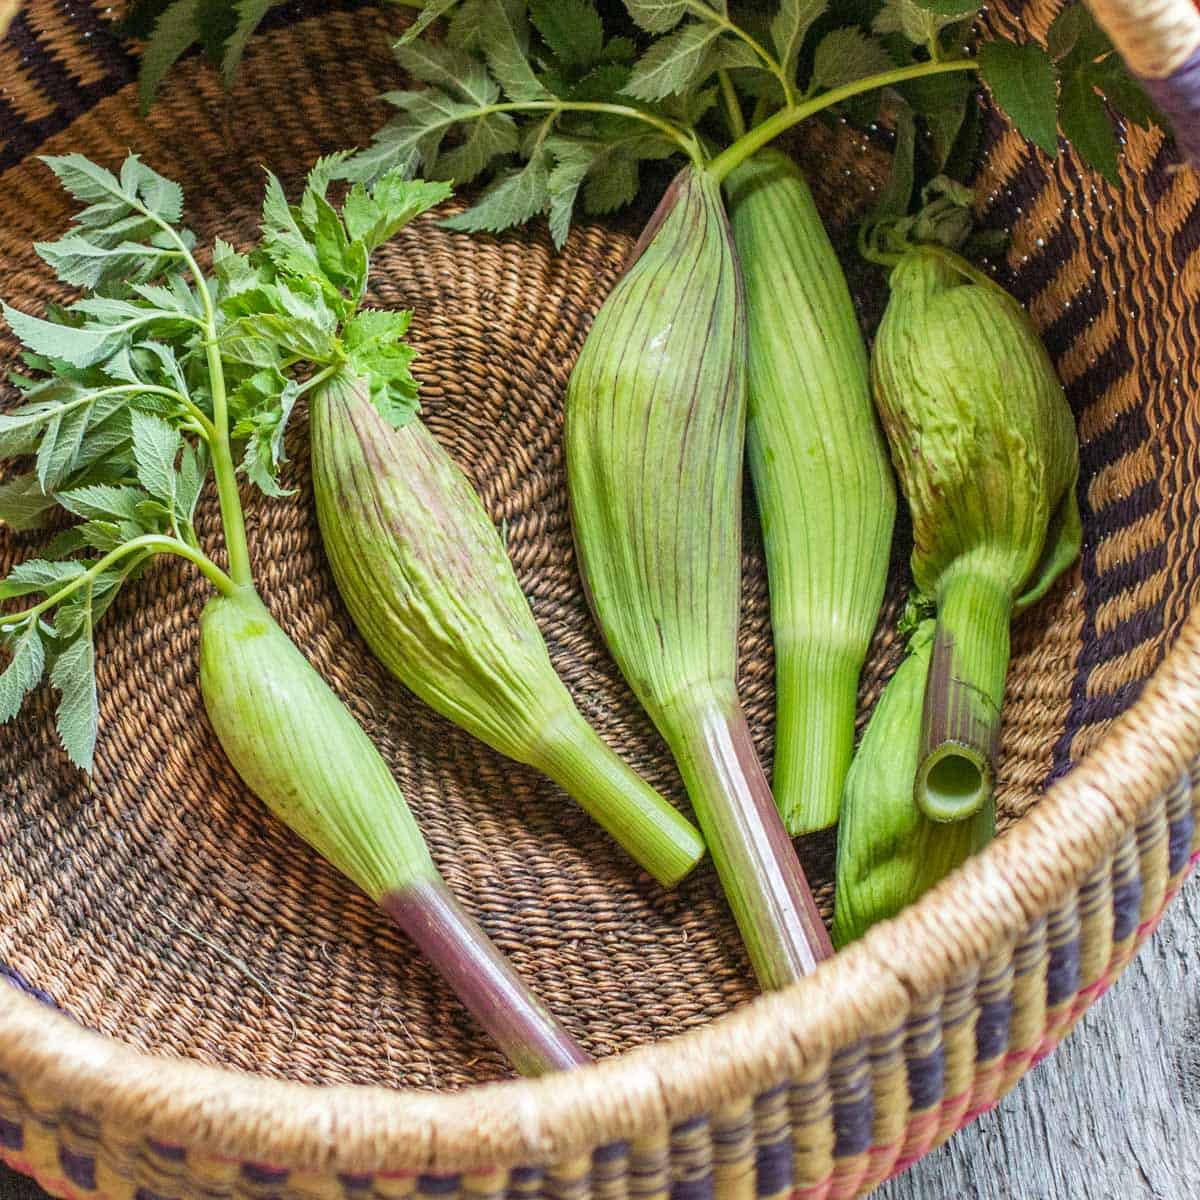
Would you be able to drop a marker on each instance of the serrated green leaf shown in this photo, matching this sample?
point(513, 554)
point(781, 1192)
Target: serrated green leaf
point(376, 350)
point(162, 196)
point(374, 216)
point(732, 53)
point(429, 13)
point(504, 39)
point(23, 504)
point(486, 139)
point(511, 200)
point(896, 196)
point(920, 21)
point(572, 161)
point(846, 55)
point(60, 446)
point(941, 100)
point(84, 179)
point(613, 186)
point(193, 470)
point(81, 263)
point(174, 32)
point(74, 675)
point(657, 16)
point(256, 465)
point(103, 501)
point(80, 347)
point(1088, 127)
point(249, 16)
point(450, 69)
point(571, 29)
point(38, 575)
point(670, 66)
point(1126, 94)
point(156, 446)
point(23, 673)
point(789, 28)
point(21, 429)
point(1022, 82)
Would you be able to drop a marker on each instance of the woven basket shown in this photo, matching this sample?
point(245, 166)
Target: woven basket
point(202, 1007)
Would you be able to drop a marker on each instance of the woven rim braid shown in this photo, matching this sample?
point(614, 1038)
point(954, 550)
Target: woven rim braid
point(227, 971)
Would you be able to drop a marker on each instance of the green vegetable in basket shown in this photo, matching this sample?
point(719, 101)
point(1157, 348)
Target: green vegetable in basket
point(889, 853)
point(418, 562)
point(128, 408)
point(821, 474)
point(655, 420)
point(986, 451)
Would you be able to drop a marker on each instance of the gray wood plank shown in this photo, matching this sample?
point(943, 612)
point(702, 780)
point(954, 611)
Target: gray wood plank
point(1113, 1114)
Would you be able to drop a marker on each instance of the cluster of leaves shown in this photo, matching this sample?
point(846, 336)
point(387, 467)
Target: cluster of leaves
point(538, 98)
point(108, 393)
point(118, 420)
point(296, 300)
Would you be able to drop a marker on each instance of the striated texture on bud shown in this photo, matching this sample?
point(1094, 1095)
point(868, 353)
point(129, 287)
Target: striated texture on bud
point(821, 477)
point(986, 450)
point(298, 748)
point(889, 853)
point(655, 425)
point(428, 583)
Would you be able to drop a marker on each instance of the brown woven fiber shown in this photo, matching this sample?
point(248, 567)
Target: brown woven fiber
point(225, 996)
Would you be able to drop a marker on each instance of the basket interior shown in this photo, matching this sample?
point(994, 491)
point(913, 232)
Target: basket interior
point(160, 904)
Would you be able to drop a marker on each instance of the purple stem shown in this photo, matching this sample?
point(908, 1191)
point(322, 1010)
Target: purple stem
point(452, 940)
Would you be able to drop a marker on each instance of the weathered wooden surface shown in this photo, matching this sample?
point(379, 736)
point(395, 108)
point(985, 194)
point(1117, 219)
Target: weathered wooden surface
point(1114, 1114)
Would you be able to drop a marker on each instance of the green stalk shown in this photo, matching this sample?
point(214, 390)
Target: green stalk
point(781, 121)
point(889, 852)
point(960, 737)
point(821, 476)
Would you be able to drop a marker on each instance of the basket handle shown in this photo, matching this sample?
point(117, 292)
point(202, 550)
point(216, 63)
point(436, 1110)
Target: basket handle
point(1160, 40)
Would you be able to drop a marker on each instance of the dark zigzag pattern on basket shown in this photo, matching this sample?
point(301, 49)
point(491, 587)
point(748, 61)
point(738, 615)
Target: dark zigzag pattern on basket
point(58, 83)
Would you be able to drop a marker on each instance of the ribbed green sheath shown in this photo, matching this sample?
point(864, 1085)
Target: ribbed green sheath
point(298, 748)
point(822, 479)
point(430, 586)
point(889, 853)
point(655, 428)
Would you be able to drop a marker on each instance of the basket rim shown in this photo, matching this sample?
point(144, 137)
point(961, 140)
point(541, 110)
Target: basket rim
point(865, 990)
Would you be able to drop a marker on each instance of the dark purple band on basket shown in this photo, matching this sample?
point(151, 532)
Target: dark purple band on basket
point(991, 1030)
point(1062, 972)
point(23, 985)
point(773, 1166)
point(1179, 97)
point(12, 1137)
point(1179, 841)
point(80, 1169)
point(1127, 907)
point(927, 1079)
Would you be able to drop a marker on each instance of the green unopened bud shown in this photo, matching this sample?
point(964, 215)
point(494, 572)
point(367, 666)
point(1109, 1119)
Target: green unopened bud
point(427, 580)
point(986, 450)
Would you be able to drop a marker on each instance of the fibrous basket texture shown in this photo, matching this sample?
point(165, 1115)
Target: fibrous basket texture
point(201, 1004)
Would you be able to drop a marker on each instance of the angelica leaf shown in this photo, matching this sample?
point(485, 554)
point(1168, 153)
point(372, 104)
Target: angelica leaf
point(78, 346)
point(174, 32)
point(672, 64)
point(189, 483)
point(920, 21)
point(23, 504)
point(1086, 123)
point(572, 29)
point(572, 163)
point(103, 501)
point(426, 17)
point(249, 16)
point(846, 55)
point(373, 341)
point(24, 670)
point(1022, 80)
point(449, 68)
point(38, 575)
point(511, 200)
point(504, 39)
point(374, 216)
point(657, 16)
point(78, 716)
point(789, 28)
point(156, 446)
point(61, 441)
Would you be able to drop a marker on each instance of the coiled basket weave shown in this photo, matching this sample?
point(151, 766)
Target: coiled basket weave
point(201, 1007)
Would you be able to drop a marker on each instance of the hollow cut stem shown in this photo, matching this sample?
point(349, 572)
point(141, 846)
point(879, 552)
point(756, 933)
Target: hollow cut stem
point(960, 726)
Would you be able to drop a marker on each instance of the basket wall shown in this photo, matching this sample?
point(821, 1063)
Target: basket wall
point(160, 907)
